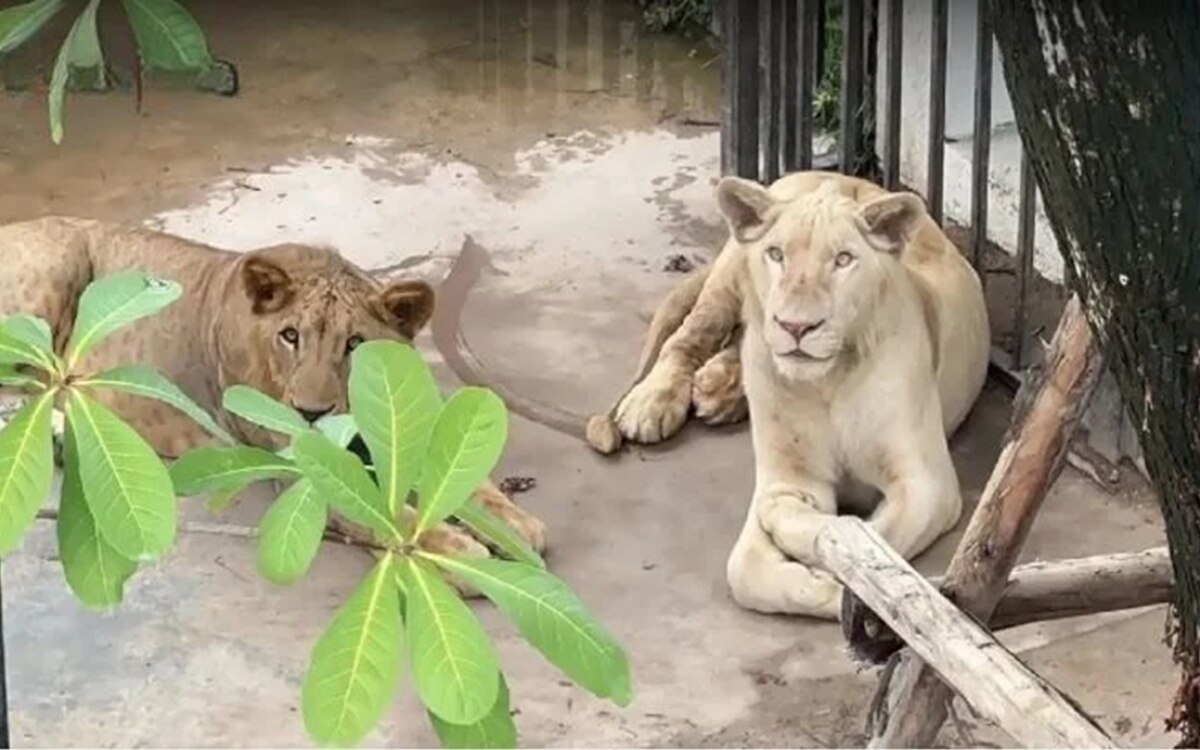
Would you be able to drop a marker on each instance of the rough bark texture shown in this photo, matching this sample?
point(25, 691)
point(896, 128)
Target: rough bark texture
point(989, 677)
point(1041, 591)
point(1105, 96)
point(1048, 410)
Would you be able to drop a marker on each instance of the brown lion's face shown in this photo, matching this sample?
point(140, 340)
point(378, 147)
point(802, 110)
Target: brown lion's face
point(295, 313)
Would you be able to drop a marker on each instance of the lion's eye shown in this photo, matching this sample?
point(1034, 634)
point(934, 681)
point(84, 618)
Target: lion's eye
point(775, 253)
point(352, 343)
point(843, 259)
point(290, 336)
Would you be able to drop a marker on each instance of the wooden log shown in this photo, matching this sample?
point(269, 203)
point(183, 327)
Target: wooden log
point(990, 678)
point(1046, 415)
point(1037, 592)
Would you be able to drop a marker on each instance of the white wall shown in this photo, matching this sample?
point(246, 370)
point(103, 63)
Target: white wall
point(1004, 164)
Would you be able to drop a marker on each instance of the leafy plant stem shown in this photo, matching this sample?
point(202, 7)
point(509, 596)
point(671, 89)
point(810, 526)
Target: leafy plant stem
point(345, 537)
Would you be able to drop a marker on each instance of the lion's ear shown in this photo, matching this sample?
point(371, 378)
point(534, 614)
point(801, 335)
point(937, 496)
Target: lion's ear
point(891, 221)
point(410, 304)
point(267, 285)
point(747, 206)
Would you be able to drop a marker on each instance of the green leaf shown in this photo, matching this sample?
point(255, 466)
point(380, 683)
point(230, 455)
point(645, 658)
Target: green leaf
point(395, 403)
point(356, 663)
point(30, 329)
point(494, 531)
point(259, 408)
point(113, 302)
point(219, 501)
point(494, 730)
point(552, 619)
point(466, 443)
point(26, 468)
point(126, 485)
point(453, 663)
point(94, 570)
point(339, 428)
point(340, 478)
point(25, 340)
point(227, 468)
point(141, 380)
point(168, 38)
point(290, 532)
point(11, 376)
point(81, 49)
point(20, 22)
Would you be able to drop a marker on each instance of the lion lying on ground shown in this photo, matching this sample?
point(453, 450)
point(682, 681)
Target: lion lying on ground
point(860, 335)
point(282, 319)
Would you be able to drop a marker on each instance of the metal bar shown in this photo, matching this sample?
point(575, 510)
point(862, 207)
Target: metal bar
point(852, 85)
point(770, 52)
point(819, 39)
point(1024, 259)
point(937, 109)
point(789, 65)
point(739, 132)
point(808, 80)
point(982, 151)
point(4, 738)
point(891, 140)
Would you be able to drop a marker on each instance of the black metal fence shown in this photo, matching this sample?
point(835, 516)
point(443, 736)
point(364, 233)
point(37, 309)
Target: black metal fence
point(772, 52)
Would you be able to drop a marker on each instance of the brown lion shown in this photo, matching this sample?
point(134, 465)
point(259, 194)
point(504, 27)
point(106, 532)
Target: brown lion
point(282, 319)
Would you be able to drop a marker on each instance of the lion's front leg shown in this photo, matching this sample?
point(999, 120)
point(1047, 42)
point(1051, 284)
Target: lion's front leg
point(717, 391)
point(530, 528)
point(763, 574)
point(657, 407)
point(924, 501)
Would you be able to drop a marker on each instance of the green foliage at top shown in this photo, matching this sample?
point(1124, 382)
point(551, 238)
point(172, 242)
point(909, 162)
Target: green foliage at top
point(167, 37)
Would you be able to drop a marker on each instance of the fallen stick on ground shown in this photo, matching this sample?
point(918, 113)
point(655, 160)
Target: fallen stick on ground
point(968, 657)
point(1038, 592)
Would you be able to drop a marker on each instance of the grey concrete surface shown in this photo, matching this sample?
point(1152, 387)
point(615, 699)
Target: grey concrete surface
point(563, 141)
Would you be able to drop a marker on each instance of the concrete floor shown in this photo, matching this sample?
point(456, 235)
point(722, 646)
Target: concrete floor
point(572, 150)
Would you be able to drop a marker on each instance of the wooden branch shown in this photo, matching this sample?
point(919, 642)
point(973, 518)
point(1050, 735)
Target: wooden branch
point(1047, 413)
point(1038, 592)
point(990, 678)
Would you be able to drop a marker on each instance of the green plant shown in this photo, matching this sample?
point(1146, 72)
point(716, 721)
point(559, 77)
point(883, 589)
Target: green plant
point(168, 40)
point(435, 454)
point(117, 506)
point(671, 15)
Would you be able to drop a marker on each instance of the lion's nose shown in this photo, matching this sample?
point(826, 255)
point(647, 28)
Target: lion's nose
point(796, 328)
point(312, 415)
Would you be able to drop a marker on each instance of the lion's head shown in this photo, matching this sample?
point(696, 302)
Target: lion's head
point(293, 313)
point(819, 263)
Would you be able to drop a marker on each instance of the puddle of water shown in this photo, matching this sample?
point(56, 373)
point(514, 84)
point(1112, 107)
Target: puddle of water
point(574, 216)
point(571, 205)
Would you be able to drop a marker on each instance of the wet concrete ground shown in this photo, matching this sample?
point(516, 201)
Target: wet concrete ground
point(570, 150)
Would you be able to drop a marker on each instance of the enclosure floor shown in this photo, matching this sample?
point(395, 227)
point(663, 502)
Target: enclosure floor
point(573, 150)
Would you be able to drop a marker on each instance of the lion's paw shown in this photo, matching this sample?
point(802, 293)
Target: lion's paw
point(528, 527)
point(717, 392)
point(444, 539)
point(793, 521)
point(655, 409)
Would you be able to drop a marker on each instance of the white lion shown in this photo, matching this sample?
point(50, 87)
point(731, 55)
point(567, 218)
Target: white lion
point(860, 335)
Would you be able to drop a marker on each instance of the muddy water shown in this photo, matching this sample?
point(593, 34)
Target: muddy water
point(476, 81)
point(575, 149)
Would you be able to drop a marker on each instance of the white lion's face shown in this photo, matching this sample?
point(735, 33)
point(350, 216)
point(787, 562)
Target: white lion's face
point(821, 281)
point(819, 265)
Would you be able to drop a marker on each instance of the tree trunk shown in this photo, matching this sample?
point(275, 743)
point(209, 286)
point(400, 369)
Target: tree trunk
point(1105, 96)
